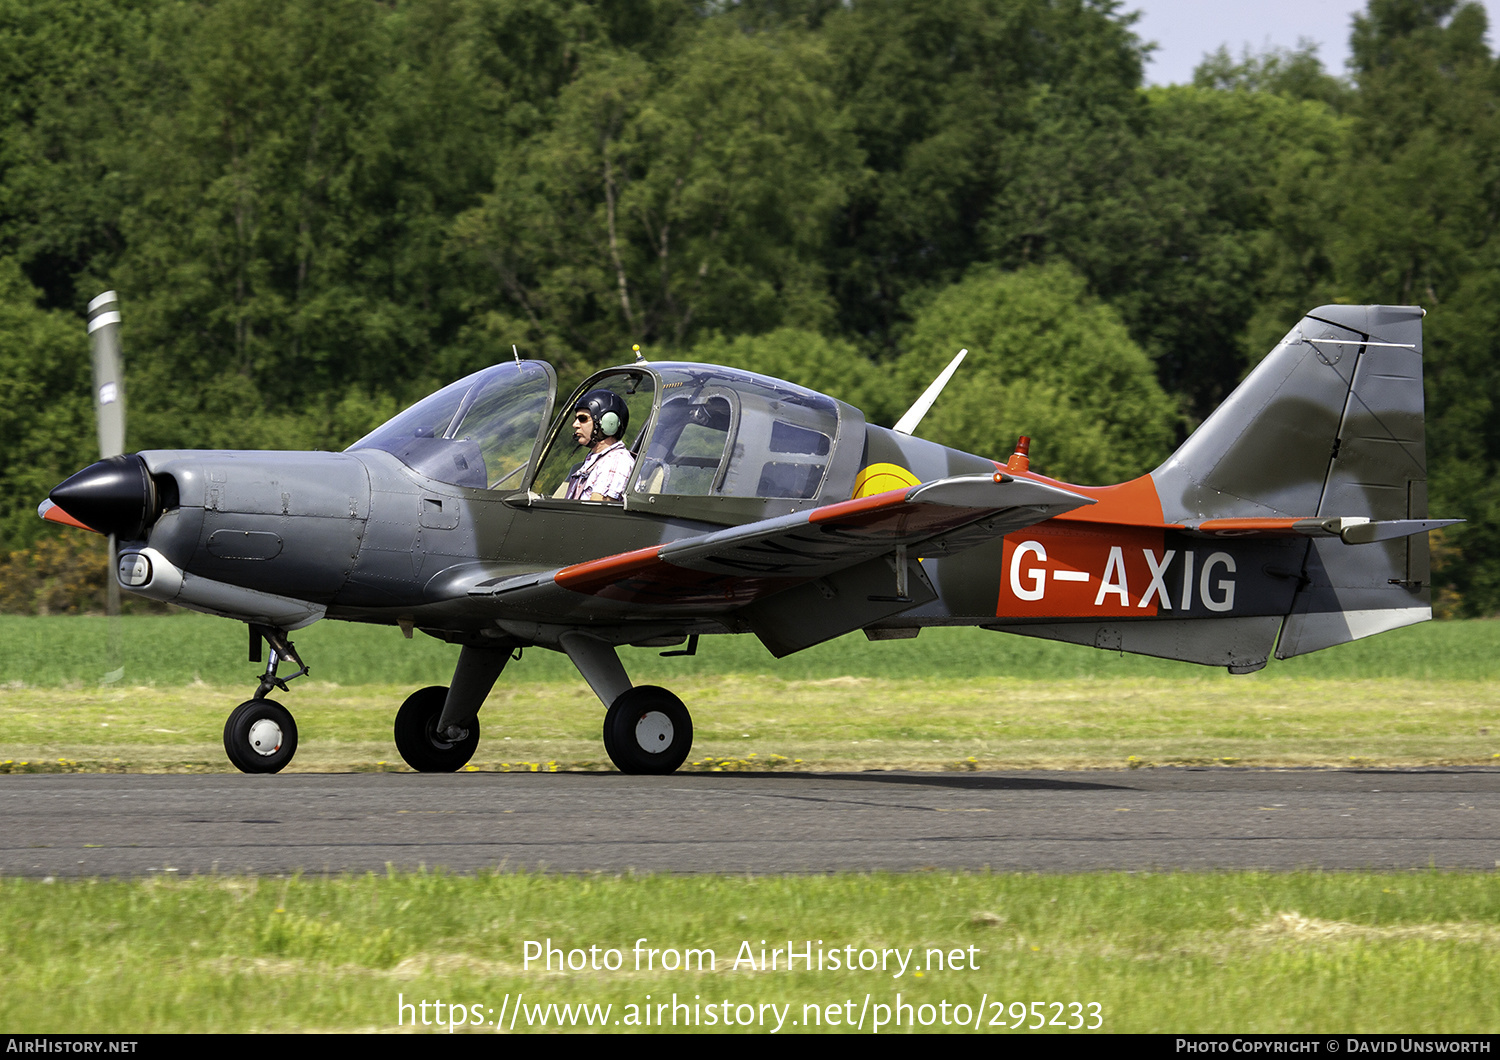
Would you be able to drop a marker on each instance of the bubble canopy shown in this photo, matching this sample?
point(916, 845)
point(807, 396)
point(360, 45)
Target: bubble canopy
point(699, 431)
point(478, 432)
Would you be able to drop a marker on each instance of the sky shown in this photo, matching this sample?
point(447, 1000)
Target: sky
point(1185, 30)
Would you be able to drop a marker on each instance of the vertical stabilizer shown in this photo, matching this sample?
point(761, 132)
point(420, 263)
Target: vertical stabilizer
point(1308, 426)
point(1328, 425)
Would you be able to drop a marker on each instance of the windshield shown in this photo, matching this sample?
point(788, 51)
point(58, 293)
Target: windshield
point(477, 432)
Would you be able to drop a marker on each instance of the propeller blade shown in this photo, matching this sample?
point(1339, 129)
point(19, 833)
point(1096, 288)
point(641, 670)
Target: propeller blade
point(109, 380)
point(109, 413)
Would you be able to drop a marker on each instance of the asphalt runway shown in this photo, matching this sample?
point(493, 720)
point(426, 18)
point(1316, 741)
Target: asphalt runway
point(133, 825)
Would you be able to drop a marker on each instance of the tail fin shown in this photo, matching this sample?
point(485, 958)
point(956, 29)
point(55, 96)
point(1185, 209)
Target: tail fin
point(1329, 425)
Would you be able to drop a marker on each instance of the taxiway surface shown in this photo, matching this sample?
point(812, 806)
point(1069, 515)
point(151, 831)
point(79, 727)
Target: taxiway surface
point(132, 825)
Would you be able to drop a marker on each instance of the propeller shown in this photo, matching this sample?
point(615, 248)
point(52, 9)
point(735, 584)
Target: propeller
point(109, 381)
point(109, 415)
point(85, 499)
point(114, 495)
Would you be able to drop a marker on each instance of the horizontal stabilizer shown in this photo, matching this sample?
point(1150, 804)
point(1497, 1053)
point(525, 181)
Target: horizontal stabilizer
point(1352, 530)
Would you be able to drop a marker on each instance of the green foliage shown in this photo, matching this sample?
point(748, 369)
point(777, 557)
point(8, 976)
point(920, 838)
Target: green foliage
point(1418, 206)
point(316, 211)
point(62, 573)
point(69, 80)
point(830, 365)
point(942, 96)
point(1295, 72)
point(46, 414)
point(1175, 212)
point(251, 223)
point(1048, 360)
point(670, 198)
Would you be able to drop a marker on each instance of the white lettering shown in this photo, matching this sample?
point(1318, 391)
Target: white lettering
point(1224, 585)
point(1107, 587)
point(1038, 576)
point(1158, 584)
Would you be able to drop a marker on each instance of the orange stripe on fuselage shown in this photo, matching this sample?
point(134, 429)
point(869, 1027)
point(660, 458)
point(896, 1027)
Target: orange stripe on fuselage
point(1133, 503)
point(1075, 570)
point(1090, 562)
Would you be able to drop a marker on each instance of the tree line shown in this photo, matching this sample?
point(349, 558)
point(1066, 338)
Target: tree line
point(316, 211)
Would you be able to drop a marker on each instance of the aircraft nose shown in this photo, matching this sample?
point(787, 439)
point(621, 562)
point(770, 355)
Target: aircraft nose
point(114, 496)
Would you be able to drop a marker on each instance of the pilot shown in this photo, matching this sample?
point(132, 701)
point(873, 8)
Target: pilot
point(599, 422)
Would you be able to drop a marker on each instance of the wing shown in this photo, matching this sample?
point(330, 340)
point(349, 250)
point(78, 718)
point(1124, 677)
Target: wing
point(731, 569)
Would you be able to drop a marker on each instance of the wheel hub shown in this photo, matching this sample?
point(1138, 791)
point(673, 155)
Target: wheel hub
point(654, 732)
point(265, 737)
point(440, 740)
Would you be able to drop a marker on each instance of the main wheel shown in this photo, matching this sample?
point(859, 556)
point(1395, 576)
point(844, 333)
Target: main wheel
point(260, 736)
point(648, 730)
point(421, 745)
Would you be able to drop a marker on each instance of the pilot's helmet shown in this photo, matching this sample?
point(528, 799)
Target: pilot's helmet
point(609, 412)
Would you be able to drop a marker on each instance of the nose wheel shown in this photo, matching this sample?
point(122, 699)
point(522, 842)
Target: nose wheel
point(647, 730)
point(260, 736)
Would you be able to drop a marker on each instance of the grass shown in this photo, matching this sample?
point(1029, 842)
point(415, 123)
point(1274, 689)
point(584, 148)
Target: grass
point(181, 649)
point(1241, 952)
point(1182, 953)
point(953, 699)
point(750, 722)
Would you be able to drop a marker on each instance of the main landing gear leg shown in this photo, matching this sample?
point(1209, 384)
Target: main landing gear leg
point(437, 728)
point(646, 729)
point(261, 735)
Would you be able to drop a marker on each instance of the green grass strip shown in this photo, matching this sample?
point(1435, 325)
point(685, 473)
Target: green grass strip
point(753, 722)
point(186, 648)
point(1234, 952)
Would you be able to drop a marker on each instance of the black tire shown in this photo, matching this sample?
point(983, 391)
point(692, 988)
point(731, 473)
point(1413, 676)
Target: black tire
point(260, 736)
point(647, 730)
point(417, 739)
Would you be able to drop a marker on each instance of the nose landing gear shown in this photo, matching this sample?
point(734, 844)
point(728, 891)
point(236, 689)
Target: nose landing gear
point(261, 735)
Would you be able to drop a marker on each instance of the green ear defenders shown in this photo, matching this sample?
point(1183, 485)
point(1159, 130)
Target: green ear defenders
point(609, 412)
